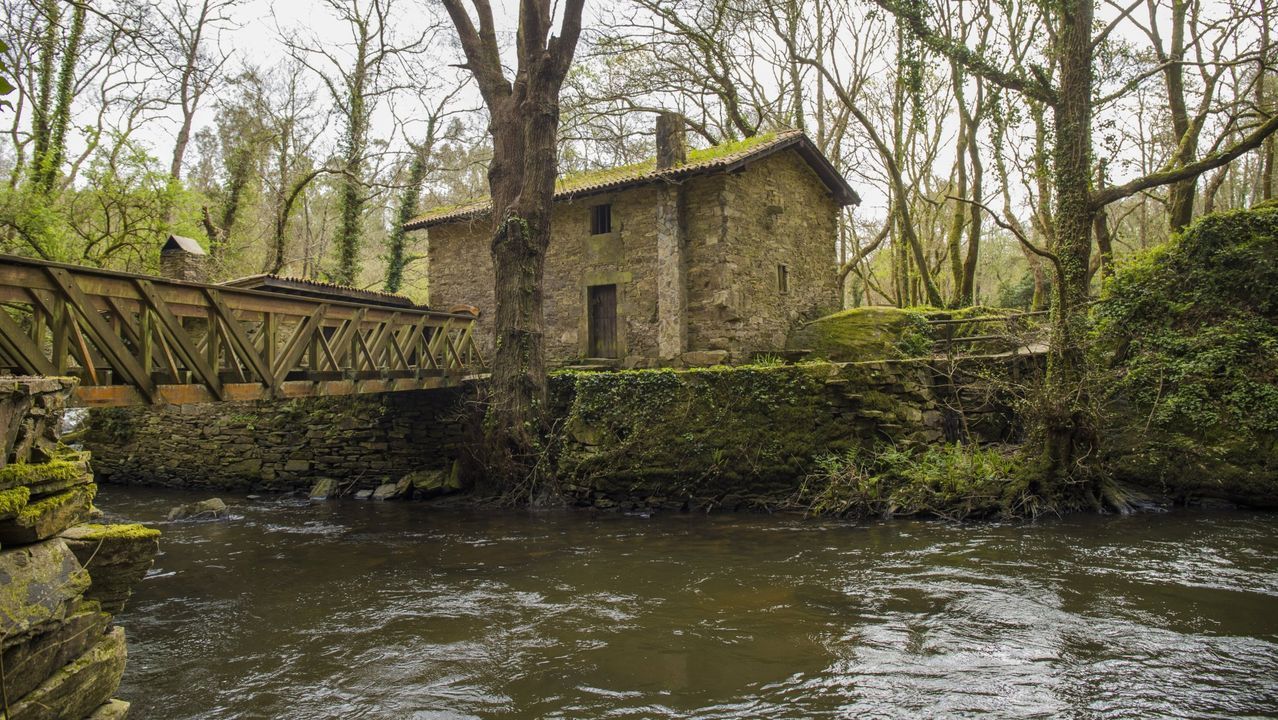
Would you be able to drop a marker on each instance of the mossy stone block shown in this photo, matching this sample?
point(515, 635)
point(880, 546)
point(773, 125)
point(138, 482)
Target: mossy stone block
point(37, 585)
point(30, 662)
point(12, 501)
point(79, 688)
point(49, 516)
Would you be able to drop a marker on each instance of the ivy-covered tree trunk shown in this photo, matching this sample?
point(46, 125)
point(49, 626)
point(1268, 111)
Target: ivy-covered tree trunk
point(1072, 156)
point(55, 117)
point(397, 251)
point(351, 199)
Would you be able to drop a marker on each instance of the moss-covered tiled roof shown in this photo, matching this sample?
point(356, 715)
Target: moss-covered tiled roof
point(720, 158)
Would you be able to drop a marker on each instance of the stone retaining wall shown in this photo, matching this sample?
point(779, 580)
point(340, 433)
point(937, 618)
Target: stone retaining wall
point(360, 441)
point(722, 437)
point(61, 576)
point(747, 437)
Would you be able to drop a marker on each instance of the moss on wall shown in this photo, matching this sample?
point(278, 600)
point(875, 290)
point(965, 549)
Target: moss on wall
point(741, 437)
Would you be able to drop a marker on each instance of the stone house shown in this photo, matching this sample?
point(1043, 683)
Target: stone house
point(689, 258)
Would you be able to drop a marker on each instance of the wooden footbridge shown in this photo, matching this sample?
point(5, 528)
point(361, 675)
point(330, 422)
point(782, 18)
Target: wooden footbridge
point(135, 339)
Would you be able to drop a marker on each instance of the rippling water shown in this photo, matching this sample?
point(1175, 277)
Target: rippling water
point(363, 610)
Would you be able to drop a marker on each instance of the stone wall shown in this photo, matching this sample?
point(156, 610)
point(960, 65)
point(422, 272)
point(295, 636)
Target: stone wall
point(736, 437)
point(61, 576)
point(746, 437)
point(734, 229)
point(359, 441)
point(777, 212)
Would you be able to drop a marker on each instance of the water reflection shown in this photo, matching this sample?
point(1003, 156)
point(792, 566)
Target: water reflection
point(359, 610)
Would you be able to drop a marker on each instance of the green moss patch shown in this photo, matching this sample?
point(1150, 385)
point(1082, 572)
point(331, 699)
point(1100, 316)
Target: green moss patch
point(867, 333)
point(13, 500)
point(97, 531)
point(54, 471)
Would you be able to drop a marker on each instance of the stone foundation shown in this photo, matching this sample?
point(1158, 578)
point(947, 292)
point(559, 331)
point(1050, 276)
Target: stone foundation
point(60, 578)
point(360, 442)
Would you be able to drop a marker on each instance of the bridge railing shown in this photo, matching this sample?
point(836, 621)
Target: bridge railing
point(135, 339)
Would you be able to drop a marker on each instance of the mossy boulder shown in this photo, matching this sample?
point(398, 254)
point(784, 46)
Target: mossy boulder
point(865, 333)
point(427, 484)
point(48, 516)
point(1190, 334)
point(116, 556)
point(79, 688)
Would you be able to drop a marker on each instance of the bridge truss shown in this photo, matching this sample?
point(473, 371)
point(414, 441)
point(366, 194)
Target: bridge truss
point(134, 339)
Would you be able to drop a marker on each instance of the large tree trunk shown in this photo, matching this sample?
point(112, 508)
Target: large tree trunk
point(1064, 422)
point(522, 180)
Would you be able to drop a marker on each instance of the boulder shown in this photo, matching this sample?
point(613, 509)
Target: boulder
point(117, 558)
point(29, 662)
point(79, 688)
point(323, 489)
point(37, 586)
point(363, 494)
point(393, 491)
point(111, 710)
point(48, 516)
point(211, 509)
point(433, 483)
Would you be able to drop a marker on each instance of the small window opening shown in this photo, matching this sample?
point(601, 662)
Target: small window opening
point(601, 219)
point(783, 279)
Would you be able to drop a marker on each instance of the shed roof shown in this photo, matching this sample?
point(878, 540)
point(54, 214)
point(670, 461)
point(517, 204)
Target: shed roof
point(720, 158)
point(183, 244)
point(317, 289)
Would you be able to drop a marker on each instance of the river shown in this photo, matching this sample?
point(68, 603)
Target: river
point(397, 610)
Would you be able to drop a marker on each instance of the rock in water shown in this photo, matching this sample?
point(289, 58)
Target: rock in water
point(116, 556)
point(210, 509)
point(387, 491)
point(111, 710)
point(363, 494)
point(432, 483)
point(79, 688)
point(323, 489)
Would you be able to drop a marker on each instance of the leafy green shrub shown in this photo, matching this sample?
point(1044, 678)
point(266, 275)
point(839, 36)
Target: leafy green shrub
point(1190, 330)
point(952, 481)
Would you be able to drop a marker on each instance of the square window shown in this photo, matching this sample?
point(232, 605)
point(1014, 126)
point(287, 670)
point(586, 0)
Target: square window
point(783, 279)
point(601, 219)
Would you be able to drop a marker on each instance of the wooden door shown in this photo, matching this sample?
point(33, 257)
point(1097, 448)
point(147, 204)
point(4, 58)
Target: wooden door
point(602, 319)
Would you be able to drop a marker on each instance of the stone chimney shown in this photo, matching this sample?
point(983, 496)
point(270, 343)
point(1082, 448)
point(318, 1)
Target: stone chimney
point(182, 258)
point(672, 143)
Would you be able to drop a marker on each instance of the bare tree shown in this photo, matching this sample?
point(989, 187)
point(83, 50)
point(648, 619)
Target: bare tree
point(188, 56)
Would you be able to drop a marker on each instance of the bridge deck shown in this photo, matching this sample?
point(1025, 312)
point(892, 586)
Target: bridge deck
point(135, 339)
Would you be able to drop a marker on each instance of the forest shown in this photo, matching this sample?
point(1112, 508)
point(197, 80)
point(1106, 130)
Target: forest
point(298, 144)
